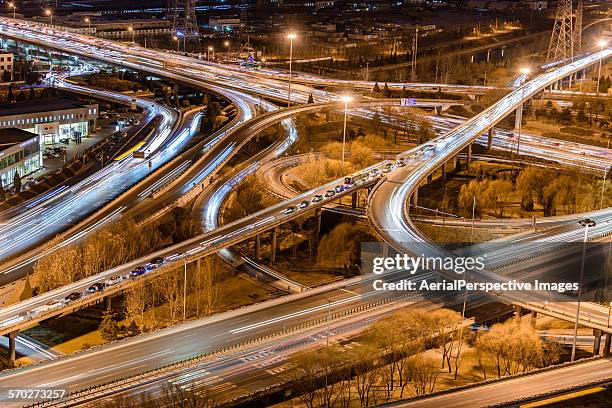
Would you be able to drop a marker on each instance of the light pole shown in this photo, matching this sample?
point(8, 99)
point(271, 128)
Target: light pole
point(346, 99)
point(131, 30)
point(603, 184)
point(473, 214)
point(14, 9)
point(602, 44)
point(525, 71)
point(609, 310)
point(88, 21)
point(291, 37)
point(211, 50)
point(586, 223)
point(185, 292)
point(226, 44)
point(175, 38)
point(50, 14)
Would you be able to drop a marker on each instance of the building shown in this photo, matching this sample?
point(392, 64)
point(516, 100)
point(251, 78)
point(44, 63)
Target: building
point(6, 67)
point(19, 152)
point(52, 119)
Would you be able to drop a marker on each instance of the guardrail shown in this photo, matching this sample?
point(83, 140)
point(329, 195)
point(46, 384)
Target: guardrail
point(88, 394)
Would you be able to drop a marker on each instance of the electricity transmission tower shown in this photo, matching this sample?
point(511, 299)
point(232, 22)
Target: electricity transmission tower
point(578, 29)
point(184, 22)
point(562, 39)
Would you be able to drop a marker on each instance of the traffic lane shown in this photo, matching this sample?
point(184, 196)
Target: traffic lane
point(153, 350)
point(508, 391)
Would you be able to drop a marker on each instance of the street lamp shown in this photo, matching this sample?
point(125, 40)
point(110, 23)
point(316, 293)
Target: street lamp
point(346, 99)
point(525, 71)
point(14, 8)
point(210, 50)
point(586, 223)
point(88, 21)
point(601, 44)
point(50, 14)
point(175, 38)
point(291, 37)
point(131, 30)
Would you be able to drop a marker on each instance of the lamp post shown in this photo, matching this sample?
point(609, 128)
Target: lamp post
point(291, 37)
point(210, 50)
point(88, 21)
point(586, 223)
point(525, 71)
point(226, 44)
point(602, 44)
point(346, 99)
point(50, 14)
point(14, 9)
point(131, 30)
point(185, 292)
point(175, 38)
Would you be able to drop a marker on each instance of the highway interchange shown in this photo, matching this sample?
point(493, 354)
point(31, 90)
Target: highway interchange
point(420, 161)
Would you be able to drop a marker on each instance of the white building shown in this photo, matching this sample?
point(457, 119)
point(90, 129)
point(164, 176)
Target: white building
point(50, 118)
point(19, 152)
point(6, 65)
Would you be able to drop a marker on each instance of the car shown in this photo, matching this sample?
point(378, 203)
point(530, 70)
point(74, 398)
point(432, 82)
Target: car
point(304, 204)
point(374, 172)
point(139, 270)
point(159, 261)
point(123, 134)
point(339, 189)
point(150, 266)
point(113, 280)
point(387, 167)
point(72, 297)
point(65, 140)
point(330, 193)
point(401, 163)
point(289, 209)
point(317, 198)
point(96, 287)
point(136, 122)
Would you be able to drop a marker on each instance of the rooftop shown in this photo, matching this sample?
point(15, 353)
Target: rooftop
point(40, 105)
point(12, 136)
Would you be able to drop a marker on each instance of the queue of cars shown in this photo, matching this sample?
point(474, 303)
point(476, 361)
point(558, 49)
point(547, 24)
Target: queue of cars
point(94, 288)
point(349, 182)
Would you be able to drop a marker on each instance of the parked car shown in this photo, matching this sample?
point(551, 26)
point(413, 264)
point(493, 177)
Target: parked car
point(64, 140)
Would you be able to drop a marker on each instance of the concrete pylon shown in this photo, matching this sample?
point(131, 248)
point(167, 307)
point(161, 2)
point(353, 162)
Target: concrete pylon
point(469, 155)
point(608, 340)
point(317, 229)
point(490, 139)
point(12, 336)
point(354, 199)
point(533, 318)
point(596, 341)
point(273, 245)
point(443, 167)
point(257, 247)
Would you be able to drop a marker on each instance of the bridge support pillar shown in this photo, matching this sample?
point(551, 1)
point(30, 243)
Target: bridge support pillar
point(354, 199)
point(438, 110)
point(518, 311)
point(176, 95)
point(596, 341)
point(608, 340)
point(12, 336)
point(456, 162)
point(385, 250)
point(257, 247)
point(518, 118)
point(469, 155)
point(108, 303)
point(273, 245)
point(490, 139)
point(533, 318)
point(317, 229)
point(443, 167)
point(414, 199)
point(429, 178)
